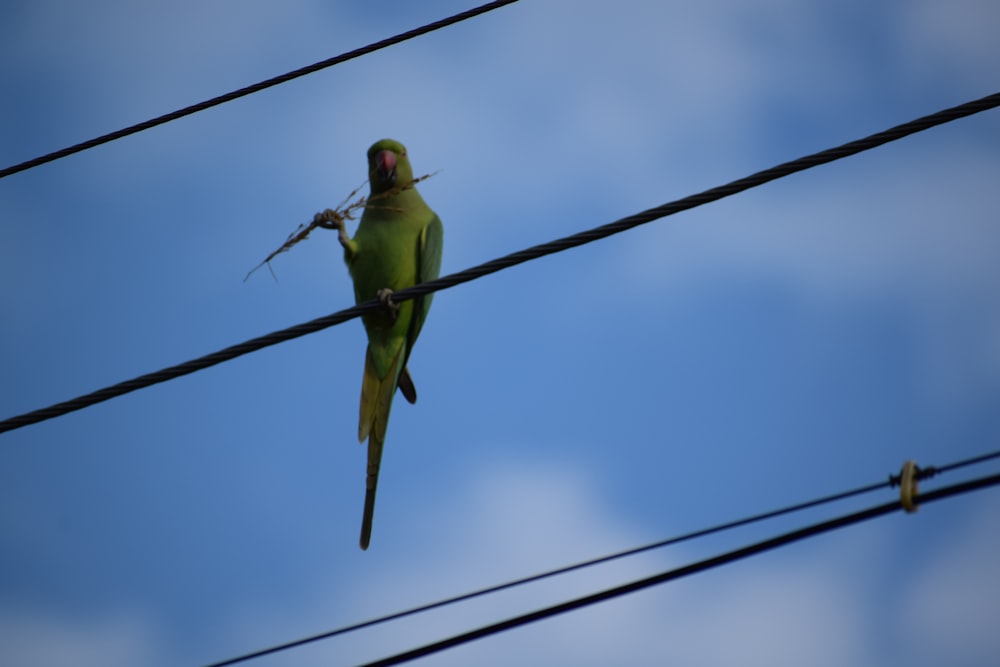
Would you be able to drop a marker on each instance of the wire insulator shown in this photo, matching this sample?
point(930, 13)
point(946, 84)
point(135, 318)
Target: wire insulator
point(908, 486)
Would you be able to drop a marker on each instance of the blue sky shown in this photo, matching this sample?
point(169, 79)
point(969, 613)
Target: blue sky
point(793, 341)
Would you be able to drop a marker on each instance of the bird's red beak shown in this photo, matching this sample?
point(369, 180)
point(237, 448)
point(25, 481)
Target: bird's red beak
point(385, 164)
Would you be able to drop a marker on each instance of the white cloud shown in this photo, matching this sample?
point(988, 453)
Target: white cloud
point(35, 639)
point(953, 605)
point(915, 235)
point(813, 608)
point(914, 228)
point(951, 39)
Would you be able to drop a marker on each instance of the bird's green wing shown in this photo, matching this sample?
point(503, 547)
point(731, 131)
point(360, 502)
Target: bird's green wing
point(429, 248)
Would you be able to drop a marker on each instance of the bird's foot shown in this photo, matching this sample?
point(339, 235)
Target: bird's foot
point(330, 219)
point(385, 296)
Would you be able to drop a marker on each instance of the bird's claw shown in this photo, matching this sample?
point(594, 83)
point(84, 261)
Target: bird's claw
point(384, 295)
point(328, 219)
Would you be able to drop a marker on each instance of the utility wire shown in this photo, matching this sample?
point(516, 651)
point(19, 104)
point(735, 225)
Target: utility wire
point(670, 575)
point(544, 575)
point(507, 261)
point(893, 480)
point(966, 462)
point(257, 87)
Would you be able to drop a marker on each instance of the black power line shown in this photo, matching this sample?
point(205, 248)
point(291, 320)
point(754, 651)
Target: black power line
point(975, 460)
point(257, 87)
point(670, 575)
point(507, 261)
point(551, 573)
point(926, 472)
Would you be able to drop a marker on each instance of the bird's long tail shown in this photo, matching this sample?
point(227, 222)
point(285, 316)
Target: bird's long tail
point(376, 402)
point(371, 483)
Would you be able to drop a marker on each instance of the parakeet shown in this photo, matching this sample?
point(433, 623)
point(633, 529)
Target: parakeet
point(397, 244)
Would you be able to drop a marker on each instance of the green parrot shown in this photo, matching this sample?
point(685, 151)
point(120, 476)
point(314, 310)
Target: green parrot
point(397, 244)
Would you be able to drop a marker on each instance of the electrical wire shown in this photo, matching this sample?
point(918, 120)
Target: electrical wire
point(257, 87)
point(967, 462)
point(670, 575)
point(926, 472)
point(507, 261)
point(545, 575)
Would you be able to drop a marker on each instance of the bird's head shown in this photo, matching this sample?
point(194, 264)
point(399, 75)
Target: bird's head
point(388, 165)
